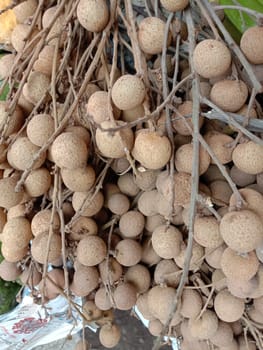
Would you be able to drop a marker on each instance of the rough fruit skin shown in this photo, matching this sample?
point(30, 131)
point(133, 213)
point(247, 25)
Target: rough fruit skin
point(93, 15)
point(69, 151)
point(152, 150)
point(125, 296)
point(174, 5)
point(128, 92)
point(229, 95)
point(227, 307)
point(248, 157)
point(151, 35)
point(39, 247)
point(17, 232)
point(219, 144)
point(15, 121)
point(239, 267)
point(251, 44)
point(205, 327)
point(92, 206)
point(223, 336)
point(36, 87)
point(184, 156)
point(9, 197)
point(91, 251)
point(38, 182)
point(191, 303)
point(79, 179)
point(98, 107)
point(242, 231)
point(6, 63)
point(40, 128)
point(211, 58)
point(166, 241)
point(114, 144)
point(128, 252)
point(22, 152)
point(206, 232)
point(109, 335)
point(160, 301)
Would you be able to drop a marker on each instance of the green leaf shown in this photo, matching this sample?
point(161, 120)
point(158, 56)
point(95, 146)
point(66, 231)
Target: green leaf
point(241, 19)
point(6, 88)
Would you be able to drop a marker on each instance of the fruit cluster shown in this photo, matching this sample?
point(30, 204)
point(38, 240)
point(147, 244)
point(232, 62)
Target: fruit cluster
point(119, 181)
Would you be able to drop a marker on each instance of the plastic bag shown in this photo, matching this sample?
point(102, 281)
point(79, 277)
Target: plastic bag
point(30, 324)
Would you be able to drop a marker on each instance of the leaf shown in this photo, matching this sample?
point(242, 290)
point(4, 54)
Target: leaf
point(242, 20)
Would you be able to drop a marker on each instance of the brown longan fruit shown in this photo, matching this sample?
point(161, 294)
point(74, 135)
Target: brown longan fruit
point(139, 276)
point(149, 256)
point(85, 280)
point(146, 180)
point(99, 109)
point(173, 6)
point(128, 92)
point(220, 192)
point(15, 121)
point(251, 44)
point(18, 36)
point(219, 144)
point(223, 336)
point(165, 273)
point(21, 153)
point(248, 157)
point(58, 28)
point(124, 296)
point(88, 203)
point(24, 10)
point(38, 182)
point(54, 283)
point(142, 306)
point(241, 178)
point(211, 58)
point(206, 232)
point(102, 299)
point(79, 179)
point(114, 144)
point(166, 241)
point(39, 247)
point(128, 252)
point(160, 302)
point(44, 63)
point(6, 64)
point(41, 221)
point(91, 250)
point(205, 326)
point(36, 87)
point(241, 230)
point(109, 335)
point(147, 203)
point(9, 271)
point(81, 131)
point(130, 115)
point(101, 75)
point(213, 256)
point(191, 303)
point(69, 151)
point(241, 267)
point(40, 128)
point(127, 185)
point(118, 203)
point(9, 197)
point(110, 271)
point(93, 15)
point(131, 224)
point(229, 95)
point(82, 227)
point(196, 259)
point(91, 311)
point(152, 222)
point(13, 254)
point(17, 232)
point(151, 35)
point(184, 159)
point(155, 327)
point(151, 149)
point(227, 307)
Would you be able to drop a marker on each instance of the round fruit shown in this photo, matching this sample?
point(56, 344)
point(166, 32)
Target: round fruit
point(167, 273)
point(82, 227)
point(247, 157)
point(93, 15)
point(160, 302)
point(128, 92)
point(110, 271)
point(114, 144)
point(128, 252)
point(211, 58)
point(229, 95)
point(204, 327)
point(40, 128)
point(87, 203)
point(166, 241)
point(85, 280)
point(151, 35)
point(125, 296)
point(191, 303)
point(251, 44)
point(38, 182)
point(219, 144)
point(206, 232)
point(22, 152)
point(42, 220)
point(36, 87)
point(184, 159)
point(227, 307)
point(241, 230)
point(152, 150)
point(69, 151)
point(40, 249)
point(9, 271)
point(109, 335)
point(91, 251)
point(9, 197)
point(173, 6)
point(131, 224)
point(79, 179)
point(17, 232)
point(139, 276)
